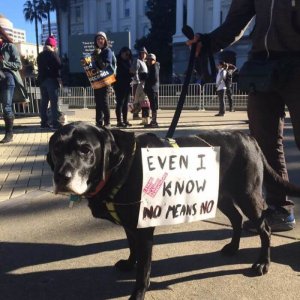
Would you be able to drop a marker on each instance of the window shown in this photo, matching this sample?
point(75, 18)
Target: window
point(77, 14)
point(126, 8)
point(108, 10)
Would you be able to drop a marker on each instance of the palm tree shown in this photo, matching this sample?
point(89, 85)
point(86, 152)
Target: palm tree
point(47, 6)
point(33, 12)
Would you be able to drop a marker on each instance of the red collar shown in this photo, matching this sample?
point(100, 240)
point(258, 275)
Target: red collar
point(99, 186)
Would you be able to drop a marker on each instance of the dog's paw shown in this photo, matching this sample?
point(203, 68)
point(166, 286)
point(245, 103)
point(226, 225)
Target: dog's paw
point(229, 249)
point(125, 265)
point(261, 267)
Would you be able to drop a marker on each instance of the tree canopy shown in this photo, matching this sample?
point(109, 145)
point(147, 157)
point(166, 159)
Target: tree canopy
point(162, 15)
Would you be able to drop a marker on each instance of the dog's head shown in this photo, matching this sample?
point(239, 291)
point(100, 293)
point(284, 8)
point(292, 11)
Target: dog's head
point(80, 156)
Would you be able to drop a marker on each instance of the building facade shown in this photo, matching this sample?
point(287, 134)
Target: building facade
point(91, 16)
point(45, 32)
point(204, 16)
point(18, 35)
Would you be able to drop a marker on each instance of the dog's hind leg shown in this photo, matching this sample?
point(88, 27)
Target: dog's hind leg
point(130, 263)
point(229, 210)
point(252, 207)
point(144, 258)
point(261, 266)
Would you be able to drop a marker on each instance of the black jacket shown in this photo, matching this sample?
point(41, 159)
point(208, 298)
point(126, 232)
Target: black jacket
point(152, 81)
point(49, 65)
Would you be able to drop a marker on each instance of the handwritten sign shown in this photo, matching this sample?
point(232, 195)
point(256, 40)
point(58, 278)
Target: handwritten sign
point(180, 185)
point(98, 78)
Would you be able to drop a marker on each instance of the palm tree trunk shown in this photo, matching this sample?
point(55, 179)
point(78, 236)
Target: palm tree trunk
point(49, 22)
point(36, 35)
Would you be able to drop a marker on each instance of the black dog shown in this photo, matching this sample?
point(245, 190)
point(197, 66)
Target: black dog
point(105, 166)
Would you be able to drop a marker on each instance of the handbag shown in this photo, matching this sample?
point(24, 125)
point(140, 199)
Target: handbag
point(2, 75)
point(259, 76)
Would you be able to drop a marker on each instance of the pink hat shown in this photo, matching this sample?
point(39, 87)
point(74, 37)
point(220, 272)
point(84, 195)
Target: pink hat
point(51, 41)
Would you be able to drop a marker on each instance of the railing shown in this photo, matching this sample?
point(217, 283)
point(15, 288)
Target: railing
point(198, 97)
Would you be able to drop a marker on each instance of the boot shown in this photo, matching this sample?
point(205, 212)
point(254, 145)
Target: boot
point(9, 123)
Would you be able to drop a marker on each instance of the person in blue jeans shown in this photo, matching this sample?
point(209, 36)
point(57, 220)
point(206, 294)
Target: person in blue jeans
point(276, 41)
point(11, 84)
point(49, 65)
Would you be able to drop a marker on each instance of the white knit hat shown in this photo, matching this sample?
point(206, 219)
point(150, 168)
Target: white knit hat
point(102, 34)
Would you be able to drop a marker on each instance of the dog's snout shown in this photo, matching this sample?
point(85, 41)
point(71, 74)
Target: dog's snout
point(63, 178)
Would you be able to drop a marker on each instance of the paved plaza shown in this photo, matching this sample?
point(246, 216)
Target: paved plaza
point(48, 251)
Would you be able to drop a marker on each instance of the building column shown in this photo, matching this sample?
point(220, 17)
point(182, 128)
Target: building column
point(179, 17)
point(191, 13)
point(114, 15)
point(91, 20)
point(216, 13)
point(133, 17)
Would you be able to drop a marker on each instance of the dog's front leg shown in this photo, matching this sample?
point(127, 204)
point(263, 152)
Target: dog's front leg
point(144, 257)
point(129, 264)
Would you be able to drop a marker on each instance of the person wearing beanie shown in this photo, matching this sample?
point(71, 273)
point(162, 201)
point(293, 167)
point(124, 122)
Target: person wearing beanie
point(152, 88)
point(49, 65)
point(11, 84)
point(122, 86)
point(140, 71)
point(103, 57)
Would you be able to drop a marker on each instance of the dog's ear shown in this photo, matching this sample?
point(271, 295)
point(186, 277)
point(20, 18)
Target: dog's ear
point(111, 155)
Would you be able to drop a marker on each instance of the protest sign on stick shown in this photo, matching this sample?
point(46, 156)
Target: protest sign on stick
point(98, 78)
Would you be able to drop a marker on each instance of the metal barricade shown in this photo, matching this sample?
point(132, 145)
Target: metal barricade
point(210, 99)
point(170, 93)
point(198, 97)
point(74, 97)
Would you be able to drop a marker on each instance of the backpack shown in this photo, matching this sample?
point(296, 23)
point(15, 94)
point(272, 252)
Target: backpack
point(114, 62)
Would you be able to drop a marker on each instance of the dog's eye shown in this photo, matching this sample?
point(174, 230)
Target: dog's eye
point(84, 149)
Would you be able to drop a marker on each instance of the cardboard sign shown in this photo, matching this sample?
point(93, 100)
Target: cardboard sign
point(98, 78)
point(180, 185)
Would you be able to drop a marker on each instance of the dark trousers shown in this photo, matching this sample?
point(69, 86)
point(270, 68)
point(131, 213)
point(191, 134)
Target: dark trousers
point(122, 99)
point(221, 96)
point(266, 113)
point(49, 93)
point(229, 97)
point(102, 106)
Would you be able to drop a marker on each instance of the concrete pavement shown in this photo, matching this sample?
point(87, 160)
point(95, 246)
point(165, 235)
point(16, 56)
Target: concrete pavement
point(48, 251)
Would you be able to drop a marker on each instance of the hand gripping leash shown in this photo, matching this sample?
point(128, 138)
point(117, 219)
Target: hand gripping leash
point(189, 33)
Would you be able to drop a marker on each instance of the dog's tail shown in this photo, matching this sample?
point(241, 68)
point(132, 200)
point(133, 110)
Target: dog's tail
point(271, 177)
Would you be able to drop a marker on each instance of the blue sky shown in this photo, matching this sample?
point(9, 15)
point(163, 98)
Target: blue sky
point(13, 10)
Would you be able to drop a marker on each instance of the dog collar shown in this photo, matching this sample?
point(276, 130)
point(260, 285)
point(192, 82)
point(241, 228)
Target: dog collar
point(99, 187)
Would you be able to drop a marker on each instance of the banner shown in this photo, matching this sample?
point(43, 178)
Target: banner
point(98, 78)
point(180, 185)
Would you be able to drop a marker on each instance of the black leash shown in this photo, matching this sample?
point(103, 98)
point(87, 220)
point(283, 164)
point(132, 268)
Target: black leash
point(189, 33)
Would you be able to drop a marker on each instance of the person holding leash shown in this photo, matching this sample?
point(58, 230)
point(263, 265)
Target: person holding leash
point(275, 44)
point(11, 84)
